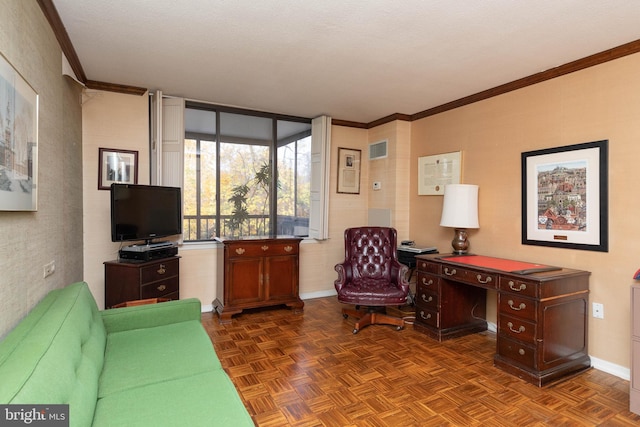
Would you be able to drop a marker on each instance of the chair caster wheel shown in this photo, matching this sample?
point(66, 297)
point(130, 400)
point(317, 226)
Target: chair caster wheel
point(345, 315)
point(355, 331)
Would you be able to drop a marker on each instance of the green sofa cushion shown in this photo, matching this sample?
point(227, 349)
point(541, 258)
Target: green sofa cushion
point(145, 356)
point(55, 355)
point(151, 315)
point(177, 402)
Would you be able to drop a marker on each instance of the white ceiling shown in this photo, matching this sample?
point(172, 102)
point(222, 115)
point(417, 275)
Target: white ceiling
point(354, 60)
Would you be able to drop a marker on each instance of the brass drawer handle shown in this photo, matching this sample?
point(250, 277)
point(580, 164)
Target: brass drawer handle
point(424, 265)
point(162, 269)
point(161, 288)
point(520, 330)
point(265, 248)
point(521, 352)
point(522, 306)
point(446, 271)
point(512, 286)
point(240, 251)
point(425, 299)
point(427, 282)
point(427, 317)
point(487, 280)
point(288, 248)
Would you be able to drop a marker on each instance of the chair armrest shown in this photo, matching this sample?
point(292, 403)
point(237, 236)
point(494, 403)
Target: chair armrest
point(151, 315)
point(344, 275)
point(399, 276)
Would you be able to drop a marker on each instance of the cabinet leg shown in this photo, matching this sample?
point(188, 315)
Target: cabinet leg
point(296, 306)
point(224, 313)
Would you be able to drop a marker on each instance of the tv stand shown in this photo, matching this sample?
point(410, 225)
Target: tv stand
point(127, 281)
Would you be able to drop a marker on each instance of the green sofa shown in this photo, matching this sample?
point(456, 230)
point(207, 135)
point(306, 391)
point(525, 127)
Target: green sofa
point(149, 365)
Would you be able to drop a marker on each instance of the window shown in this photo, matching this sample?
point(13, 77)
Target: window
point(230, 157)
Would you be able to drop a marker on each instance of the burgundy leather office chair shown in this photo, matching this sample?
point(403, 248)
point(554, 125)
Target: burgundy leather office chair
point(371, 276)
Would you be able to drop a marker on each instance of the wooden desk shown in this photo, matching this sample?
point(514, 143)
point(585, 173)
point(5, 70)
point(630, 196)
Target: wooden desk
point(542, 311)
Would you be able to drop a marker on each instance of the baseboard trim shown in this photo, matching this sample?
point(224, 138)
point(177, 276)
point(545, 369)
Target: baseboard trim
point(319, 294)
point(611, 368)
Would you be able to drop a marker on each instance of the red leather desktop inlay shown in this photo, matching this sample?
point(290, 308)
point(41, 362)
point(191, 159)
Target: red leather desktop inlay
point(499, 263)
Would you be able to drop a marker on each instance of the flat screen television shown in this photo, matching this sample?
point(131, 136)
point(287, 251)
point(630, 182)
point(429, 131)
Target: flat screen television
point(145, 212)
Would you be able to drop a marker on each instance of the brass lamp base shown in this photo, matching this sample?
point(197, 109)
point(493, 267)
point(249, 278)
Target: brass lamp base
point(460, 243)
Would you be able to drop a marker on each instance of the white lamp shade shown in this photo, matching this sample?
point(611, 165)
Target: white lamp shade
point(460, 206)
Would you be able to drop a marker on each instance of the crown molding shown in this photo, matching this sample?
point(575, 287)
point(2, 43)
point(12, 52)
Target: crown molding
point(112, 87)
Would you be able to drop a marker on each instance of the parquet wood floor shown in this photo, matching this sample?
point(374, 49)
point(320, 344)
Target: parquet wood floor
point(310, 370)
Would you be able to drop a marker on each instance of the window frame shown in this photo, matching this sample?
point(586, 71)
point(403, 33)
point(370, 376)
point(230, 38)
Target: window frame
point(273, 157)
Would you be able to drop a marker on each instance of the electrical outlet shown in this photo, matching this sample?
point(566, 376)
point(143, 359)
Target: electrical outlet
point(598, 310)
point(49, 269)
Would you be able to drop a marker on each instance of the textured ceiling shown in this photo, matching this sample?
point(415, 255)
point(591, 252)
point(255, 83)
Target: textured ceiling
point(354, 60)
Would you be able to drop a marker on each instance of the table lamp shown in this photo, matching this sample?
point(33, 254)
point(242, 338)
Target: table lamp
point(460, 211)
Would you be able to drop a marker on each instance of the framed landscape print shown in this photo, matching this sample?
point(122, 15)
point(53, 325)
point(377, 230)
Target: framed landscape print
point(116, 166)
point(565, 197)
point(18, 141)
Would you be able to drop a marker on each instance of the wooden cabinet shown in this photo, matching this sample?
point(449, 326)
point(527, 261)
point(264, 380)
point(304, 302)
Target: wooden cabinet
point(129, 281)
point(255, 273)
point(542, 316)
point(634, 385)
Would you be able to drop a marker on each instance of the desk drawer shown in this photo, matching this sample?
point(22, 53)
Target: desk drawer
point(427, 316)
point(426, 299)
point(514, 305)
point(517, 329)
point(159, 289)
point(520, 353)
point(159, 271)
point(427, 282)
point(519, 287)
point(428, 267)
point(476, 278)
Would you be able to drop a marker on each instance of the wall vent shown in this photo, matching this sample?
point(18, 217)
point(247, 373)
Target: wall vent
point(378, 150)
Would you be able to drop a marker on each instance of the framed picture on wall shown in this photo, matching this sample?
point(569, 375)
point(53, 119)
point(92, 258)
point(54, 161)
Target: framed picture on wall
point(19, 141)
point(565, 197)
point(116, 166)
point(434, 172)
point(348, 171)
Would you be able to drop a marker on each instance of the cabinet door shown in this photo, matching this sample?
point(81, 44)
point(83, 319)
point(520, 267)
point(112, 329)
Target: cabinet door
point(281, 277)
point(245, 281)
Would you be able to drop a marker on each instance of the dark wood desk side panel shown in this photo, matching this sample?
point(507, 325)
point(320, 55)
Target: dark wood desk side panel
point(567, 339)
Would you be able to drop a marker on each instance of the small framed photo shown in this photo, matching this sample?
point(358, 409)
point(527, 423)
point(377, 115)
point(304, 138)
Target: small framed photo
point(116, 166)
point(565, 197)
point(348, 171)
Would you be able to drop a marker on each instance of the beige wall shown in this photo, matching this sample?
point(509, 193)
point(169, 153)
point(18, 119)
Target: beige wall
point(116, 121)
point(392, 172)
point(53, 233)
point(601, 102)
